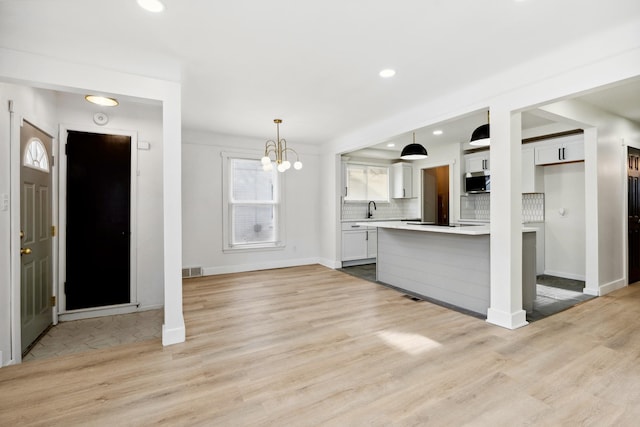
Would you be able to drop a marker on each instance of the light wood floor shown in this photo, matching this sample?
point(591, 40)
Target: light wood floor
point(310, 346)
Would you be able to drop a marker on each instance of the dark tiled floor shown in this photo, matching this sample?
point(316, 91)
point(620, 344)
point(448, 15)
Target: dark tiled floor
point(554, 294)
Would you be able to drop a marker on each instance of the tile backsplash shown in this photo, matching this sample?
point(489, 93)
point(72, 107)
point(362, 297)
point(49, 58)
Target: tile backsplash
point(477, 207)
point(396, 208)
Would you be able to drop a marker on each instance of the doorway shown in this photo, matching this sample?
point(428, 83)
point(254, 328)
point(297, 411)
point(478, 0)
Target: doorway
point(435, 195)
point(36, 252)
point(98, 220)
point(633, 213)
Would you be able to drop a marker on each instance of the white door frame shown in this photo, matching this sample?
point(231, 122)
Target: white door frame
point(15, 125)
point(62, 273)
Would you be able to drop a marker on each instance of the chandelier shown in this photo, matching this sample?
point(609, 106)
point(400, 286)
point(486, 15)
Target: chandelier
point(279, 149)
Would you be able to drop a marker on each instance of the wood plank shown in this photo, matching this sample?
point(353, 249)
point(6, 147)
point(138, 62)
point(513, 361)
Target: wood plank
point(313, 346)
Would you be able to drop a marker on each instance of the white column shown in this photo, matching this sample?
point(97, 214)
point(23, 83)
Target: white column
point(506, 221)
point(173, 329)
point(592, 271)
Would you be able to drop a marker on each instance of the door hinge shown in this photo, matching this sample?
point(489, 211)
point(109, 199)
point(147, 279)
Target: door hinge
point(53, 301)
point(66, 148)
point(53, 231)
point(53, 161)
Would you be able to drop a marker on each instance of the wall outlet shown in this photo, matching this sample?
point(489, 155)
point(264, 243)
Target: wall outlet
point(4, 202)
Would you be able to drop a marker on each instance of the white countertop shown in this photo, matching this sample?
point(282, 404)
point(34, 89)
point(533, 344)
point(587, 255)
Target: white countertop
point(468, 230)
point(379, 220)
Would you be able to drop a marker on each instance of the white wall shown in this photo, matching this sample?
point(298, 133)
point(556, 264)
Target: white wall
point(38, 106)
point(565, 220)
point(146, 120)
point(613, 133)
point(46, 72)
point(202, 206)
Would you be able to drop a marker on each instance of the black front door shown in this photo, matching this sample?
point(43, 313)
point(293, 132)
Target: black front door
point(98, 220)
point(633, 175)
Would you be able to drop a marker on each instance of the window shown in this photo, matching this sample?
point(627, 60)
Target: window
point(35, 155)
point(365, 182)
point(252, 205)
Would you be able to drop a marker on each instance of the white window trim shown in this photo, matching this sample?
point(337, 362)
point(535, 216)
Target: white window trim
point(227, 247)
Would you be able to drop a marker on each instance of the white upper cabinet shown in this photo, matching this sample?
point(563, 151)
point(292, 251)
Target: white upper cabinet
point(476, 162)
point(532, 174)
point(402, 187)
point(560, 150)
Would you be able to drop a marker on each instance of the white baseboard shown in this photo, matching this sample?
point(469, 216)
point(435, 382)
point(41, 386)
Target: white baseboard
point(330, 263)
point(267, 265)
point(565, 275)
point(608, 287)
point(507, 320)
point(174, 335)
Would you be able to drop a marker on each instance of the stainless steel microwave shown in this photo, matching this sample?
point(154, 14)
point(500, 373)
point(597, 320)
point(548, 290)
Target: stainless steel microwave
point(477, 183)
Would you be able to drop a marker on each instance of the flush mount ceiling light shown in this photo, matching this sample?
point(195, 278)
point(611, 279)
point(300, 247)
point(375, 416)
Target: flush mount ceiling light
point(391, 144)
point(102, 100)
point(151, 5)
point(437, 132)
point(388, 72)
point(414, 151)
point(279, 149)
point(481, 136)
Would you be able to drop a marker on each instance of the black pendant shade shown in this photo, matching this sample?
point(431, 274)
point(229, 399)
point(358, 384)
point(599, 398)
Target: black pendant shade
point(481, 136)
point(414, 151)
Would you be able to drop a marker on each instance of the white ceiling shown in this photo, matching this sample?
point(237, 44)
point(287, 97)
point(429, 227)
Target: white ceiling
point(243, 63)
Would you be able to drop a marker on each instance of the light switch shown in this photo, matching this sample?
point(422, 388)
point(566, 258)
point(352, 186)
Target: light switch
point(4, 202)
point(144, 145)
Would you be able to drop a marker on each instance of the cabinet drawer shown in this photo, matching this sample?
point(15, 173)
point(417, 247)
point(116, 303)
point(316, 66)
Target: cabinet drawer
point(347, 226)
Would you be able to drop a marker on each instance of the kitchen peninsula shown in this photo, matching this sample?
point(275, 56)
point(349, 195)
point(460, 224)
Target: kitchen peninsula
point(450, 264)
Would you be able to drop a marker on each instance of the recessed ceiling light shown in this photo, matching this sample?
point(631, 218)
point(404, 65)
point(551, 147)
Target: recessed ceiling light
point(388, 72)
point(437, 132)
point(102, 100)
point(391, 144)
point(151, 5)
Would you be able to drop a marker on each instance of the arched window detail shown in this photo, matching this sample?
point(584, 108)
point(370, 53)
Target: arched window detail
point(35, 156)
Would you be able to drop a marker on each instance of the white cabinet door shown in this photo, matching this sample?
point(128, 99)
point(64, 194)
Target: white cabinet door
point(476, 162)
point(532, 175)
point(560, 151)
point(402, 181)
point(354, 245)
point(372, 243)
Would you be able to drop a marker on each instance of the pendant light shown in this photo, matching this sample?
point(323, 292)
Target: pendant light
point(280, 151)
point(414, 151)
point(481, 136)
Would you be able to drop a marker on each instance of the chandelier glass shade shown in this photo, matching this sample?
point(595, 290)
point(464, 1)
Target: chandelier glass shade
point(277, 151)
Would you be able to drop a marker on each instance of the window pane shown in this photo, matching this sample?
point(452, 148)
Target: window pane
point(356, 183)
point(253, 224)
point(250, 182)
point(378, 183)
point(35, 155)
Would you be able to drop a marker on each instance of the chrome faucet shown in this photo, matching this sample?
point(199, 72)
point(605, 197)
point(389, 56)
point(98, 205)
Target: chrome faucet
point(369, 214)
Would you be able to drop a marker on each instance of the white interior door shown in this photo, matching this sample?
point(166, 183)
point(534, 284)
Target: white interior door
point(36, 278)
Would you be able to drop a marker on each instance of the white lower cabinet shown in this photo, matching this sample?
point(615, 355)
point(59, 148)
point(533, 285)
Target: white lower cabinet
point(354, 245)
point(358, 242)
point(372, 243)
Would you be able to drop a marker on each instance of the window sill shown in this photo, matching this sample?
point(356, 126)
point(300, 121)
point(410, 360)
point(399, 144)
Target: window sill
point(254, 248)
